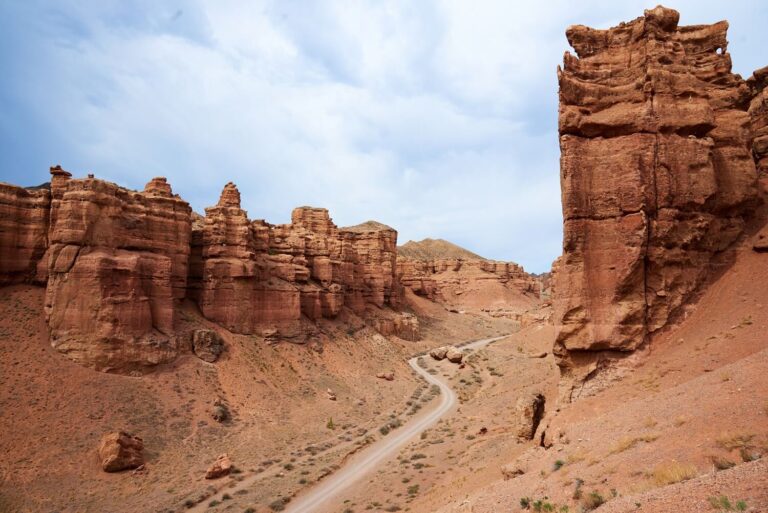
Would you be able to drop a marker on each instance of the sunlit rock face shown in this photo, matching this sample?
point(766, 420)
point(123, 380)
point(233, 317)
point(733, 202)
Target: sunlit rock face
point(116, 267)
point(658, 177)
point(251, 275)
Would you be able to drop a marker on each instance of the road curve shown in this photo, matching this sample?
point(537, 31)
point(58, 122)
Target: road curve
point(365, 461)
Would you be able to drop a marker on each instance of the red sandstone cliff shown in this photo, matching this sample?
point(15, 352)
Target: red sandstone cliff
point(309, 267)
point(463, 281)
point(658, 178)
point(117, 263)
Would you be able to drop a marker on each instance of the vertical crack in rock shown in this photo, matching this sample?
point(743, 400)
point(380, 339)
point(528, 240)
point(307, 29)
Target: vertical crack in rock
point(659, 143)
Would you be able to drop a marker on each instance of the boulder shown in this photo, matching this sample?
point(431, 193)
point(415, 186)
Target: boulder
point(439, 353)
point(207, 345)
point(529, 411)
point(760, 243)
point(454, 355)
point(220, 468)
point(512, 470)
point(120, 451)
point(387, 375)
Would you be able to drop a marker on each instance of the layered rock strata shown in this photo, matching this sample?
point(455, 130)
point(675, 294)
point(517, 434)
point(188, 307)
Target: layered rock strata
point(23, 231)
point(116, 263)
point(657, 174)
point(309, 267)
point(434, 278)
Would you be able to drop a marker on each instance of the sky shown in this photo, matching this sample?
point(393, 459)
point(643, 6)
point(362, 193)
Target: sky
point(438, 118)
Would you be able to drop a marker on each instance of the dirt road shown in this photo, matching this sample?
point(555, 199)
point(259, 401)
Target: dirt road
point(368, 460)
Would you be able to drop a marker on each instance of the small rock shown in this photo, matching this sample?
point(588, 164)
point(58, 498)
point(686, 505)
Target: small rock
point(387, 375)
point(220, 468)
point(207, 345)
point(511, 471)
point(120, 451)
point(331, 395)
point(538, 355)
point(220, 412)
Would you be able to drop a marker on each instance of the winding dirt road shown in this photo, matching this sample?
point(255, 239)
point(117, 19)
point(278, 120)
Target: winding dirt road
point(363, 463)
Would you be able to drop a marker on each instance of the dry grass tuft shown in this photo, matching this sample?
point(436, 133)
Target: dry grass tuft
point(673, 472)
point(680, 420)
point(730, 441)
point(721, 463)
point(630, 441)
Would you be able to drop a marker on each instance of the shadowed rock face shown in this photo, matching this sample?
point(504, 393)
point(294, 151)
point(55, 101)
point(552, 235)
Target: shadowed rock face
point(23, 231)
point(657, 177)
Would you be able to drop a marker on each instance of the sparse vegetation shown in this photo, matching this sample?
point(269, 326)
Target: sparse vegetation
point(723, 503)
point(629, 442)
point(721, 463)
point(330, 424)
point(673, 472)
point(592, 500)
point(558, 465)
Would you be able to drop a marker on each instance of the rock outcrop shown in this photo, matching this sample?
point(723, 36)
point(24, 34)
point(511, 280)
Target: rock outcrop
point(120, 451)
point(220, 468)
point(460, 280)
point(116, 264)
point(529, 410)
point(23, 231)
point(657, 178)
point(309, 267)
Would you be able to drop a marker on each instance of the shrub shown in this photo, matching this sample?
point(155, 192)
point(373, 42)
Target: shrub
point(330, 424)
point(525, 503)
point(629, 442)
point(592, 500)
point(558, 465)
point(673, 472)
point(413, 489)
point(721, 463)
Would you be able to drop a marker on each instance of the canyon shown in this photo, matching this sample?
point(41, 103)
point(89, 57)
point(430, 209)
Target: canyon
point(157, 359)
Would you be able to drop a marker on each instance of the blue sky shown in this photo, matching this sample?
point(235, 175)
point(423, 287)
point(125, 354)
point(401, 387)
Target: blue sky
point(438, 118)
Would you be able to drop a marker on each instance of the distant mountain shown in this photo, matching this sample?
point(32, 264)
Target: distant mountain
point(429, 249)
point(368, 226)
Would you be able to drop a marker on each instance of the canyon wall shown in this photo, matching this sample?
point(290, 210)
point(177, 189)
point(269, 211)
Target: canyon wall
point(115, 267)
point(309, 267)
point(117, 263)
point(657, 140)
point(477, 285)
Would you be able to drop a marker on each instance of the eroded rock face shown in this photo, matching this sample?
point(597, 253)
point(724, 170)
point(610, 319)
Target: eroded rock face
point(116, 264)
point(657, 178)
point(403, 325)
point(120, 451)
point(307, 268)
point(23, 231)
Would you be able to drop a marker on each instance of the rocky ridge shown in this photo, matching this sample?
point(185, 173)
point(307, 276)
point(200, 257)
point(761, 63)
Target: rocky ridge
point(117, 264)
point(660, 146)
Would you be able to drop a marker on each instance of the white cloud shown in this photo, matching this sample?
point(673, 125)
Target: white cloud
point(438, 118)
